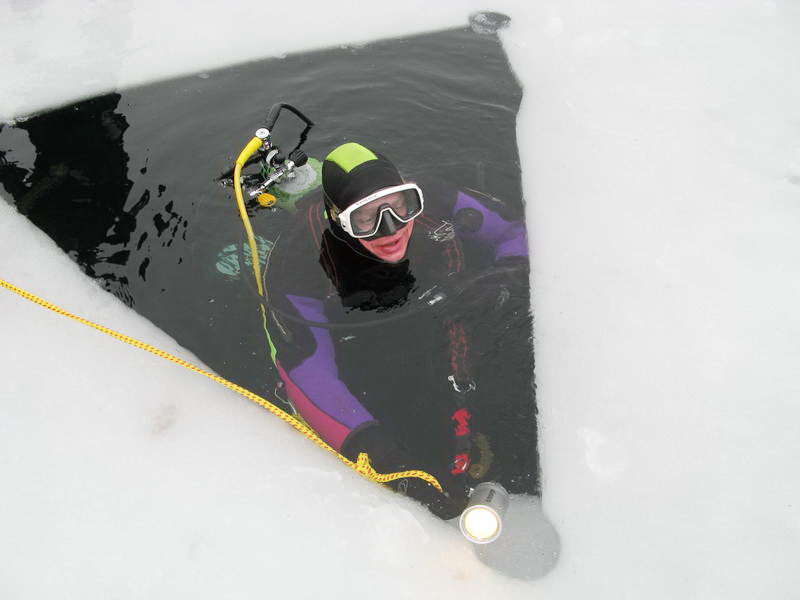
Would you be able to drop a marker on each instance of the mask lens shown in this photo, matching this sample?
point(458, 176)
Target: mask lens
point(404, 204)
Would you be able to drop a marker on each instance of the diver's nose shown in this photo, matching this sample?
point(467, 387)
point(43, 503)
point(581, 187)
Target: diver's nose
point(389, 224)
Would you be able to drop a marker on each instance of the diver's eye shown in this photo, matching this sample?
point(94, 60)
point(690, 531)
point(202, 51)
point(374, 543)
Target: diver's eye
point(399, 206)
point(364, 221)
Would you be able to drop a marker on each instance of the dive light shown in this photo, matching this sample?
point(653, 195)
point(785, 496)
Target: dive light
point(482, 520)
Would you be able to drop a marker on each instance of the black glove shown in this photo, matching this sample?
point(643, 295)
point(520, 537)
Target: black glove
point(387, 457)
point(445, 506)
point(514, 271)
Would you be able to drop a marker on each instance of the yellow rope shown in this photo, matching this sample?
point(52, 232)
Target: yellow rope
point(362, 465)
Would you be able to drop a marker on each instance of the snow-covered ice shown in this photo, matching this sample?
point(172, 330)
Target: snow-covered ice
point(660, 150)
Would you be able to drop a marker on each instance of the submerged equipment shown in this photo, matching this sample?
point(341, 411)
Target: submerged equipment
point(482, 520)
point(283, 178)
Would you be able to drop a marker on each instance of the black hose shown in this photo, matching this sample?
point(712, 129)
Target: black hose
point(457, 292)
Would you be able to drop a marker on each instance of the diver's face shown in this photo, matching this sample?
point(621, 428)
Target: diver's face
point(391, 248)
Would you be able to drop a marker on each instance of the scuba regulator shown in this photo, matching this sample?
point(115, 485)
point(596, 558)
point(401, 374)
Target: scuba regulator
point(277, 169)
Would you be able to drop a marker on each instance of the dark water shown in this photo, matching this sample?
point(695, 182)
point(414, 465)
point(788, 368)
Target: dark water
point(125, 183)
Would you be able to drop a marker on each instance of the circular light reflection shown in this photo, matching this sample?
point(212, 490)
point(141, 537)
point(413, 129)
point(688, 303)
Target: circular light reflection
point(481, 524)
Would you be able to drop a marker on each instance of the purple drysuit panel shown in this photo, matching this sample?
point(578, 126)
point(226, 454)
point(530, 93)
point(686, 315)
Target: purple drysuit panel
point(506, 238)
point(314, 386)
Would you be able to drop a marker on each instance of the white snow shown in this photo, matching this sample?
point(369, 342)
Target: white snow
point(660, 146)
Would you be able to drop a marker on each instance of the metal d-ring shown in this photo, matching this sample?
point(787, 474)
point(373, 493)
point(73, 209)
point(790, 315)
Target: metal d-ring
point(458, 388)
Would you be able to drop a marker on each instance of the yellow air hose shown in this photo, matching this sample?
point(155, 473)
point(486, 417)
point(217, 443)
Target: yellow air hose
point(252, 146)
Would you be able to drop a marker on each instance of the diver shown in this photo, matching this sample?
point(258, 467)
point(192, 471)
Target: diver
point(364, 356)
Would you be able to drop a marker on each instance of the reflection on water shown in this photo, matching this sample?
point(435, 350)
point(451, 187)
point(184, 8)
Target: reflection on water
point(78, 184)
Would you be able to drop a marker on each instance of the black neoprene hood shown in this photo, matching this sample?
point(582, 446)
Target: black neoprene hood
point(352, 172)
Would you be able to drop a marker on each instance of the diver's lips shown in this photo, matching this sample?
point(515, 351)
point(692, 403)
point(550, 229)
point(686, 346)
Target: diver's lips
point(390, 246)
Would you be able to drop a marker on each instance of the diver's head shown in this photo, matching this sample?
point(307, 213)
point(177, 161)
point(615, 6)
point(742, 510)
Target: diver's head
point(368, 200)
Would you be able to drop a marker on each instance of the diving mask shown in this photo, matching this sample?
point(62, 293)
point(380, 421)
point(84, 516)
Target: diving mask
point(364, 218)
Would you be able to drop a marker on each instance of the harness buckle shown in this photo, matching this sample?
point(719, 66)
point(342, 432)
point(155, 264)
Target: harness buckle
point(462, 389)
point(444, 233)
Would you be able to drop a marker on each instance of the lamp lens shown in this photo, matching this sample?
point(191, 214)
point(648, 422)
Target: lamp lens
point(481, 524)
